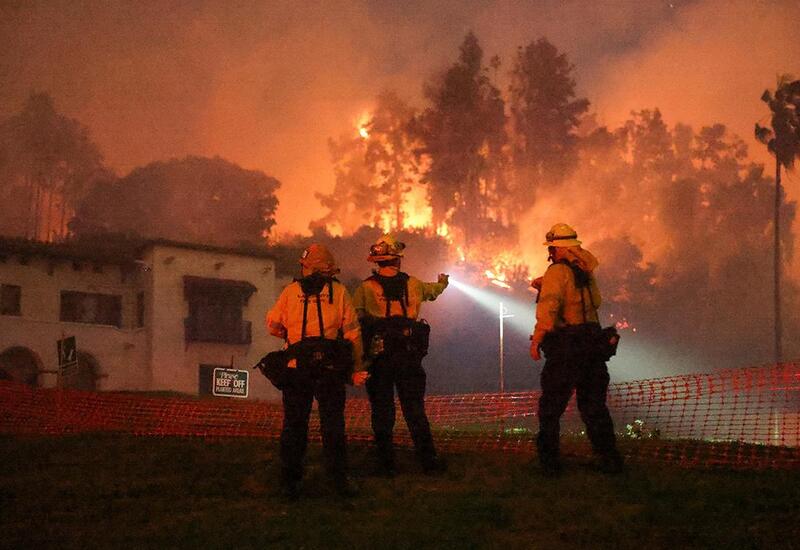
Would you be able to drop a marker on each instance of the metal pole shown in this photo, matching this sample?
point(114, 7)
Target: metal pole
point(502, 317)
point(777, 267)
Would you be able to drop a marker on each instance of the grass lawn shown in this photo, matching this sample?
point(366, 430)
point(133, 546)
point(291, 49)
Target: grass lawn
point(105, 491)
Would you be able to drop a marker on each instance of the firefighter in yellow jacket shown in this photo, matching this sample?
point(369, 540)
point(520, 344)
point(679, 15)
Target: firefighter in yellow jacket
point(567, 331)
point(388, 304)
point(315, 316)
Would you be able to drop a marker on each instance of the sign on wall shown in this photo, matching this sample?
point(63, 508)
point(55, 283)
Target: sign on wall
point(67, 355)
point(230, 382)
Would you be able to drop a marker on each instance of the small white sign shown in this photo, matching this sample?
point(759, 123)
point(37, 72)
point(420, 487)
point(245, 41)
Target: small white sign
point(230, 382)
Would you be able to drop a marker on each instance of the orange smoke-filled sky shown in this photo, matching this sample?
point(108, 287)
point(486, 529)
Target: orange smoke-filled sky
point(264, 84)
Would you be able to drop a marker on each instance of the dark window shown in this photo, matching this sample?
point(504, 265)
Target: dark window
point(206, 379)
point(95, 309)
point(215, 310)
point(140, 310)
point(10, 300)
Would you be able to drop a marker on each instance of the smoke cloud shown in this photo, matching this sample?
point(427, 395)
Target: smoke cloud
point(265, 84)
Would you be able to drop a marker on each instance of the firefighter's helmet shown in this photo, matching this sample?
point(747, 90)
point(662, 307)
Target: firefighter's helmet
point(318, 258)
point(387, 247)
point(561, 235)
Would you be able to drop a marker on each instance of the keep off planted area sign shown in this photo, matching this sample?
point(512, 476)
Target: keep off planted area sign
point(230, 382)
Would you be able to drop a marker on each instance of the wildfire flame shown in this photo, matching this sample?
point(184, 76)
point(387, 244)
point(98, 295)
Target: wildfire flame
point(499, 268)
point(362, 124)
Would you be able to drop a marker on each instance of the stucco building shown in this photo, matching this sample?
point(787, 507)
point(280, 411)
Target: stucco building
point(147, 316)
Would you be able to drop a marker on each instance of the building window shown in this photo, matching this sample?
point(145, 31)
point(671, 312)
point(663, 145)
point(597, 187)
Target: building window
point(215, 310)
point(140, 310)
point(95, 309)
point(206, 379)
point(10, 300)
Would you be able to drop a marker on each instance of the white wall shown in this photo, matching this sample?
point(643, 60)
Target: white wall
point(175, 362)
point(156, 357)
point(119, 352)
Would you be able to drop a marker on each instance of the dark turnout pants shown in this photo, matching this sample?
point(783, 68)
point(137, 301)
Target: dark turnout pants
point(405, 373)
point(298, 397)
point(571, 365)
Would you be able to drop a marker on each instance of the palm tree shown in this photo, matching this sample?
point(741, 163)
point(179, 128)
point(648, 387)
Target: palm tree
point(783, 141)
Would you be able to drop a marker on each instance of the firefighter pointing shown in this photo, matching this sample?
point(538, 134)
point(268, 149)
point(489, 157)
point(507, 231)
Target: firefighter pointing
point(315, 315)
point(388, 304)
point(576, 349)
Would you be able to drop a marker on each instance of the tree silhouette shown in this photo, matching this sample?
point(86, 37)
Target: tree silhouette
point(195, 199)
point(462, 133)
point(47, 164)
point(783, 141)
point(545, 116)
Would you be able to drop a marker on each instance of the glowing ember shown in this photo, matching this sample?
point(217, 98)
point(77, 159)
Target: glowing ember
point(624, 324)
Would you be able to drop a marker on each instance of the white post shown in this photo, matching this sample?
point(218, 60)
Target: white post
point(502, 317)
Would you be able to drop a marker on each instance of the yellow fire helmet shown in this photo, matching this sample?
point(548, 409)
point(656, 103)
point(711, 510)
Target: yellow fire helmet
point(387, 247)
point(318, 258)
point(561, 235)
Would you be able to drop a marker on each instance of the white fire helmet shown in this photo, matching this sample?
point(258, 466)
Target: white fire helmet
point(561, 235)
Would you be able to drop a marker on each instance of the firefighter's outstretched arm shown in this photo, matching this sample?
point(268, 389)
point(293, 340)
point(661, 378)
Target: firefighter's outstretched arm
point(431, 291)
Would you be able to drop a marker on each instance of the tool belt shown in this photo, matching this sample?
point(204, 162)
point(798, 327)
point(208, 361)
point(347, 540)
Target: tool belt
point(317, 357)
point(274, 366)
point(395, 335)
point(600, 343)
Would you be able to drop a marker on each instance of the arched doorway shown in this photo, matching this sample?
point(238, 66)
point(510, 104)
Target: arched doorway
point(84, 376)
point(19, 364)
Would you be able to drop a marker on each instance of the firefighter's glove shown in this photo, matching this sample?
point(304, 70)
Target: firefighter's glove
point(279, 331)
point(536, 353)
point(360, 377)
point(537, 284)
point(444, 279)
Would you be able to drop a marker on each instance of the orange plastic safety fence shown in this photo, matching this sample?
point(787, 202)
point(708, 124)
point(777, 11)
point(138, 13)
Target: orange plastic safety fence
point(743, 418)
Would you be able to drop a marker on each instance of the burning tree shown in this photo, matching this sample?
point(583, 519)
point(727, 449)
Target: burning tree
point(376, 172)
point(463, 135)
point(352, 203)
point(677, 216)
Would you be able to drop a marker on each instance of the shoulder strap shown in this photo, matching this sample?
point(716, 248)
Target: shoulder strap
point(583, 281)
point(389, 285)
point(306, 298)
point(305, 316)
point(312, 286)
point(319, 317)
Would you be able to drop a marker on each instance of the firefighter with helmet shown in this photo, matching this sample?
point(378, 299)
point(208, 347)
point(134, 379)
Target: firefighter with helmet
point(388, 304)
point(315, 316)
point(567, 331)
